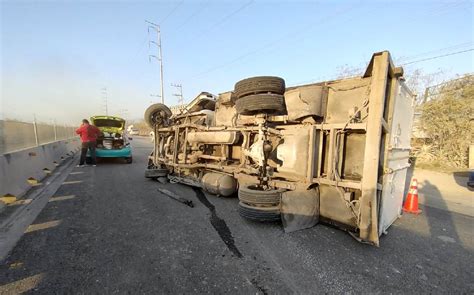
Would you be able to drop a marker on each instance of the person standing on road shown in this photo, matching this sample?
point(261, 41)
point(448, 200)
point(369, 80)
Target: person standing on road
point(88, 134)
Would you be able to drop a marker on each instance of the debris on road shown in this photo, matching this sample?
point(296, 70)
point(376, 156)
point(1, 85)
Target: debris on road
point(176, 197)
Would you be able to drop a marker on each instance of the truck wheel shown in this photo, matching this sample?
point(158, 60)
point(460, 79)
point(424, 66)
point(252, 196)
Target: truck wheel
point(251, 194)
point(262, 214)
point(255, 85)
point(155, 173)
point(260, 103)
point(157, 114)
point(150, 161)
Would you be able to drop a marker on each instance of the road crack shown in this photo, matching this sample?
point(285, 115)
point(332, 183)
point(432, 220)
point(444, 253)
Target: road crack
point(219, 224)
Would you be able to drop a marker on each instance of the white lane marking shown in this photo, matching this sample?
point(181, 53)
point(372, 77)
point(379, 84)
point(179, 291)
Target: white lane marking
point(61, 198)
point(72, 182)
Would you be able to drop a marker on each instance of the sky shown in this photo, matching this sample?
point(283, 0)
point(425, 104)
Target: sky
point(58, 56)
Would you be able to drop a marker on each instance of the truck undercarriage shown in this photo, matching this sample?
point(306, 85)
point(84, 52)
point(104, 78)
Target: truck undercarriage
point(335, 151)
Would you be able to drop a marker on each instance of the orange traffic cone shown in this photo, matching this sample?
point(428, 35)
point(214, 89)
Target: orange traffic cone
point(411, 202)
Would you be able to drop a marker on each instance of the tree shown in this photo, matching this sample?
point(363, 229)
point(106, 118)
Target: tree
point(448, 122)
point(346, 71)
point(142, 127)
point(417, 80)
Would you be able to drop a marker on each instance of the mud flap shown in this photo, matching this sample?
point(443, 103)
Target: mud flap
point(299, 209)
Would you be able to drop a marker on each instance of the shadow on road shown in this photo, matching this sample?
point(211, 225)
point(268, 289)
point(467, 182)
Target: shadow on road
point(432, 195)
point(111, 161)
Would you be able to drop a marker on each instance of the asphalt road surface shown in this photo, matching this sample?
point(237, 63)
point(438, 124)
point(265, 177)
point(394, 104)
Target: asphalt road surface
point(108, 230)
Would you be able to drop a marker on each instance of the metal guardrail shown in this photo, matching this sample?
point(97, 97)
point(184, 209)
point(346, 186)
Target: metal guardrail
point(17, 135)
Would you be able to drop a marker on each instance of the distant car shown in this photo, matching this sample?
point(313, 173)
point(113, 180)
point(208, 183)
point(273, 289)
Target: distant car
point(134, 131)
point(113, 143)
point(470, 182)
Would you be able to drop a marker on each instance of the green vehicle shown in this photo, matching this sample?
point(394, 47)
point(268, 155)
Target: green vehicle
point(113, 143)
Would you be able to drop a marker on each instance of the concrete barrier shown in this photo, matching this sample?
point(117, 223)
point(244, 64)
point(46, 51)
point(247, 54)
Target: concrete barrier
point(21, 170)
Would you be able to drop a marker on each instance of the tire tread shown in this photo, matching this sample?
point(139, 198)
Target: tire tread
point(256, 85)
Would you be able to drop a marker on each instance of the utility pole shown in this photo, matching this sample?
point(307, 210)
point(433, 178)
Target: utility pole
point(35, 129)
point(104, 100)
point(160, 56)
point(123, 113)
point(180, 94)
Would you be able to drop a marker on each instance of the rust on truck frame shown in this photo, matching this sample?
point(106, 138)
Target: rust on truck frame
point(343, 145)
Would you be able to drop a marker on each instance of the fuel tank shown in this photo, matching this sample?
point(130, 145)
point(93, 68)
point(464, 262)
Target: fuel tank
point(219, 184)
point(214, 137)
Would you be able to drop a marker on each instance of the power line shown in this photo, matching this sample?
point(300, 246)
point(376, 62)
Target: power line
point(226, 17)
point(451, 86)
point(465, 77)
point(335, 76)
point(435, 12)
point(136, 54)
point(162, 21)
point(123, 113)
point(190, 17)
point(276, 42)
point(453, 47)
point(436, 57)
point(171, 12)
point(142, 44)
point(292, 34)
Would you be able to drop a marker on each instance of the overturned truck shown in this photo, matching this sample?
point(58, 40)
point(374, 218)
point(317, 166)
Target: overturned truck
point(334, 151)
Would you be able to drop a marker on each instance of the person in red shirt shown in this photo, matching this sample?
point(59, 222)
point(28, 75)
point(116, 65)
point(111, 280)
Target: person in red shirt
point(88, 134)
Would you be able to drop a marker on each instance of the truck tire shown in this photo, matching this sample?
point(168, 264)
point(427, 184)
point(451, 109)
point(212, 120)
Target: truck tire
point(155, 173)
point(255, 85)
point(249, 194)
point(260, 103)
point(261, 214)
point(157, 114)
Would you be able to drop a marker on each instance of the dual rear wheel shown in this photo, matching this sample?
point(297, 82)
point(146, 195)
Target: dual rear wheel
point(259, 95)
point(258, 204)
